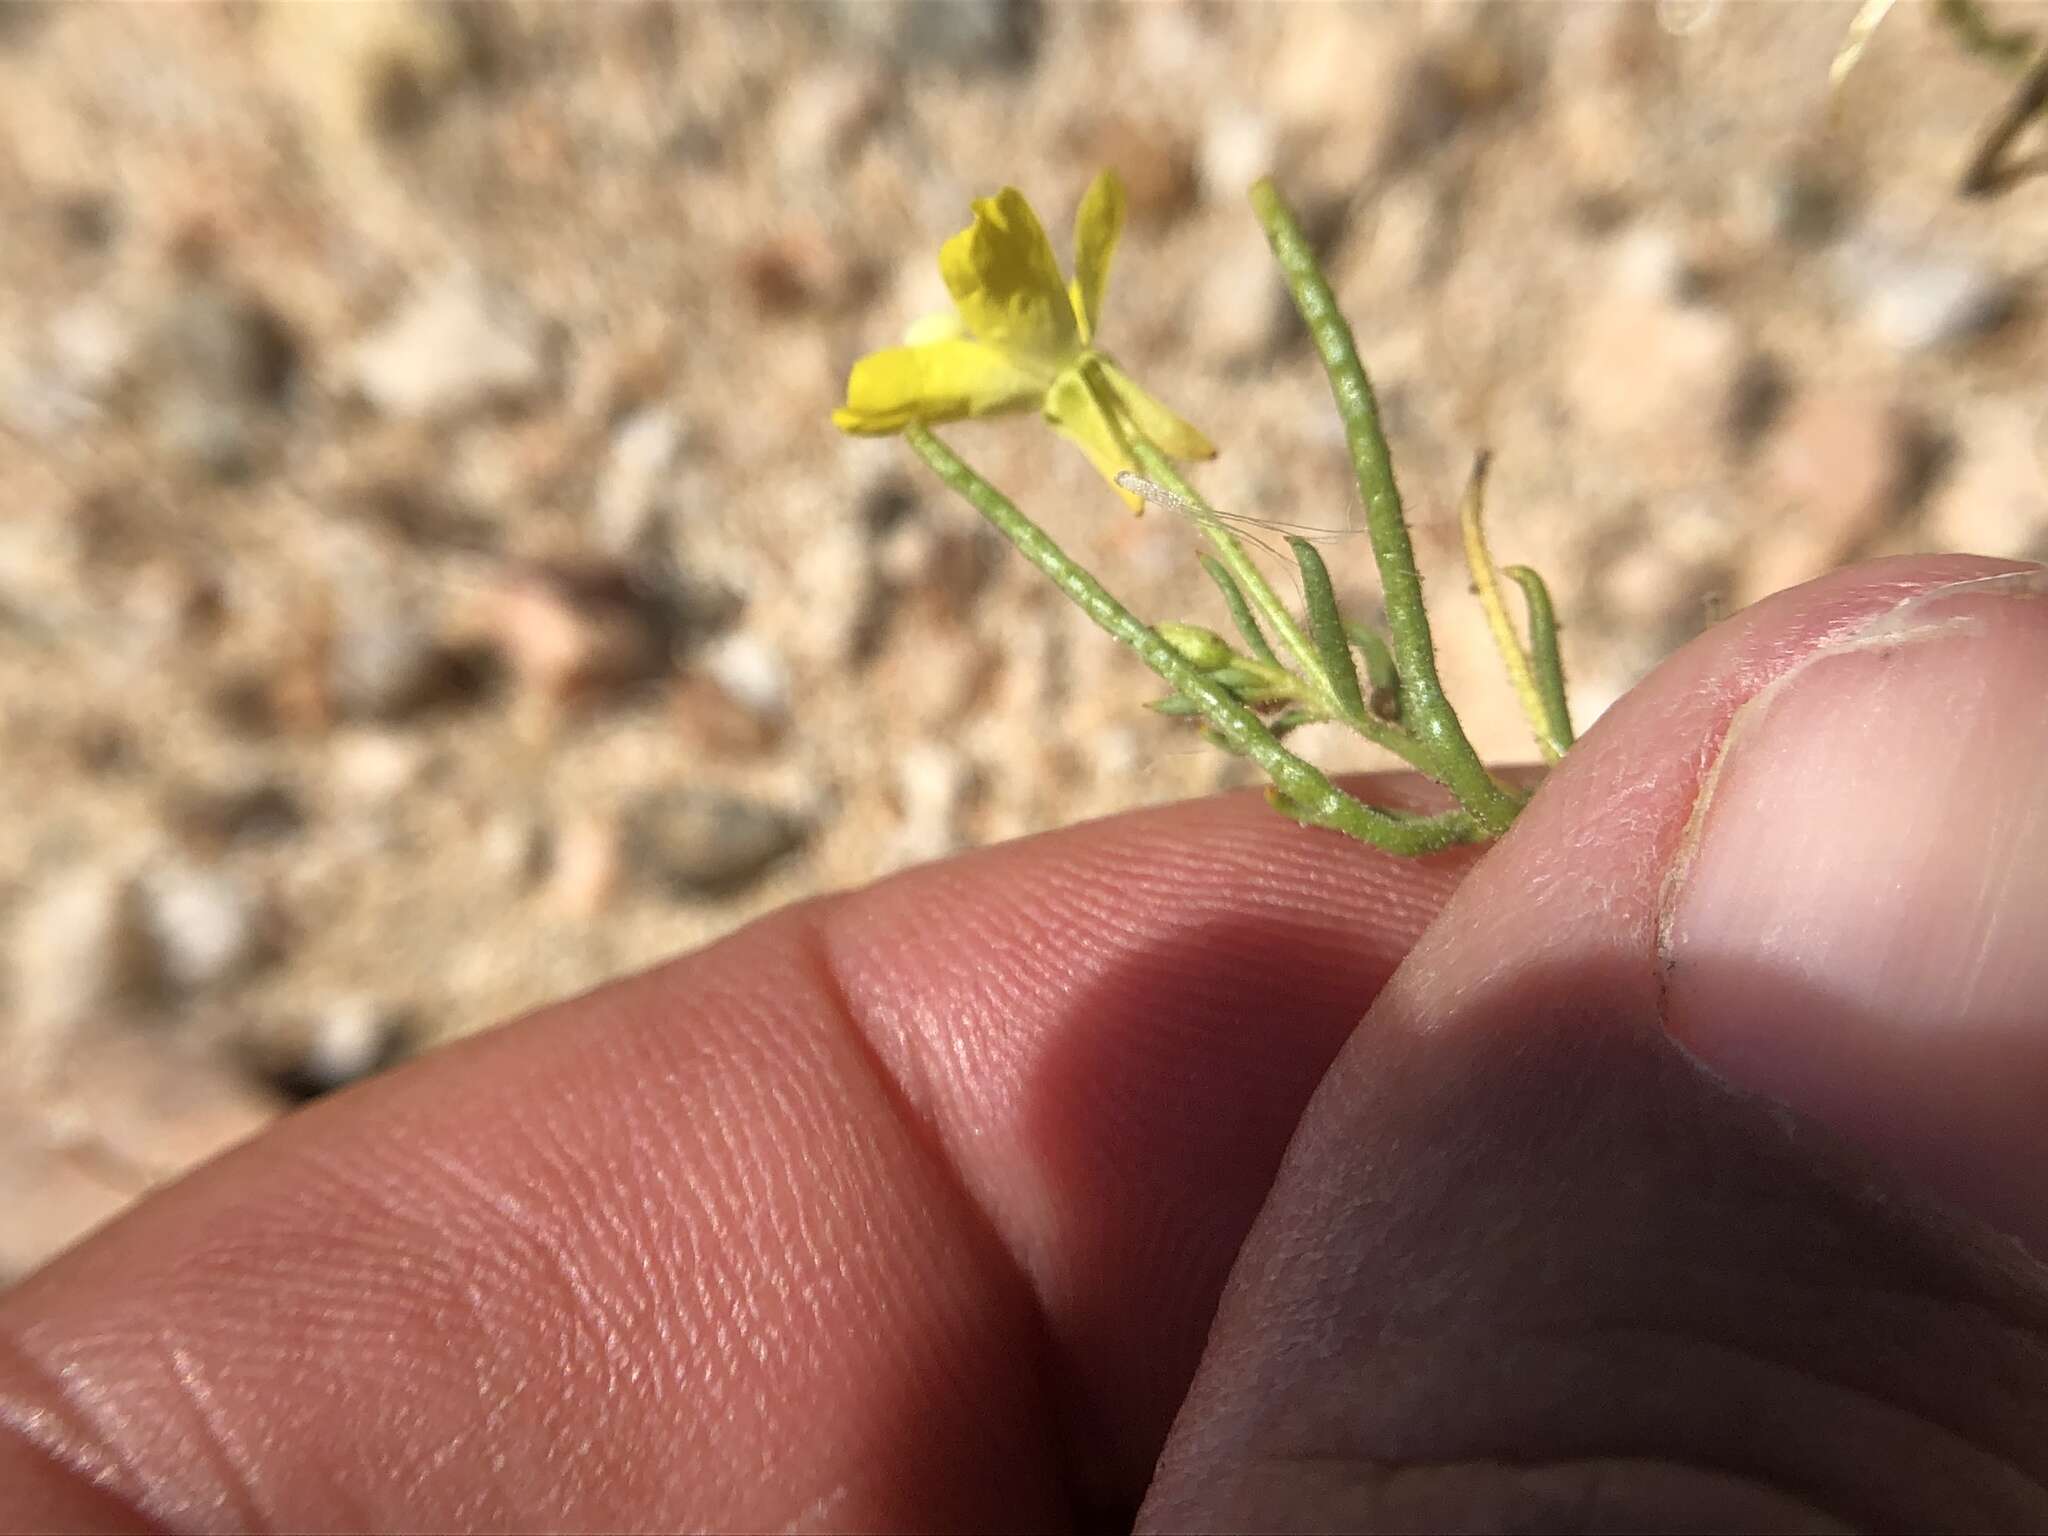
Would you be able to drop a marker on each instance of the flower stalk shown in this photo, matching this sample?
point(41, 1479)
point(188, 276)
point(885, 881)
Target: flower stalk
point(1304, 791)
point(1433, 721)
point(1022, 338)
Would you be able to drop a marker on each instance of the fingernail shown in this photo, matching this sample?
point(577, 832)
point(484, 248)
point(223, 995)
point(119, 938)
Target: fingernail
point(1858, 927)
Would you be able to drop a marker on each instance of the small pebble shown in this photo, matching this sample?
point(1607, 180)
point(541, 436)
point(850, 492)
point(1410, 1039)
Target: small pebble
point(700, 842)
point(374, 767)
point(711, 720)
point(983, 34)
point(751, 670)
point(635, 498)
point(516, 847)
point(212, 818)
point(383, 658)
point(571, 632)
point(227, 343)
point(1649, 262)
point(589, 863)
point(800, 269)
point(934, 782)
point(1796, 204)
point(825, 116)
point(345, 1042)
point(840, 606)
point(1238, 147)
point(374, 69)
point(81, 951)
point(225, 363)
point(1157, 165)
point(455, 346)
point(207, 926)
point(1921, 299)
point(94, 348)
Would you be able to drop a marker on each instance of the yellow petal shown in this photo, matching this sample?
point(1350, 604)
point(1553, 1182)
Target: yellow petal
point(1006, 284)
point(1080, 414)
point(926, 329)
point(941, 381)
point(1096, 229)
point(1176, 437)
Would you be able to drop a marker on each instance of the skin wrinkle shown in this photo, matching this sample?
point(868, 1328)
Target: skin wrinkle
point(918, 1122)
point(1377, 1486)
point(218, 1445)
point(1009, 970)
point(556, 1255)
point(1996, 1462)
point(85, 1460)
point(1577, 1339)
point(518, 1217)
point(462, 1279)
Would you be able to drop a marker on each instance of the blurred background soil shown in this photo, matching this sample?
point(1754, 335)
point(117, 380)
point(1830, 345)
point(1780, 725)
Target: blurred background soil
point(430, 584)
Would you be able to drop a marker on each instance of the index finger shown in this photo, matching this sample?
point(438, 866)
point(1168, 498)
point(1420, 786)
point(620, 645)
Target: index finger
point(904, 1207)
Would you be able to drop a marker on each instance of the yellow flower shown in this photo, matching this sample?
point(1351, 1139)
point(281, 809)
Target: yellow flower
point(1021, 338)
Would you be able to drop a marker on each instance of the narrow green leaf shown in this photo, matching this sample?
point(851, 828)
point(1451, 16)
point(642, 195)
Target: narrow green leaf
point(1240, 610)
point(1544, 658)
point(1380, 675)
point(1326, 626)
point(1174, 704)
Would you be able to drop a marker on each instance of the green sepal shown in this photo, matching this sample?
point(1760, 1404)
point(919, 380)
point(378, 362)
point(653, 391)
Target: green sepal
point(1201, 648)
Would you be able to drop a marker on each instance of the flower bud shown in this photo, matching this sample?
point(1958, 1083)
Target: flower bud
point(1203, 649)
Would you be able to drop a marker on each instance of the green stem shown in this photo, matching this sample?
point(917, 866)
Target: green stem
point(1308, 657)
point(1426, 710)
point(1308, 795)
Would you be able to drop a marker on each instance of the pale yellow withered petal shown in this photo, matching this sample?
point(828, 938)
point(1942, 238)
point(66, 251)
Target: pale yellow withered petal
point(1097, 227)
point(1177, 438)
point(941, 381)
point(1007, 286)
point(1081, 414)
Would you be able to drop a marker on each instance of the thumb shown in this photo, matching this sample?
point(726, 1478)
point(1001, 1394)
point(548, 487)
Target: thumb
point(1669, 1181)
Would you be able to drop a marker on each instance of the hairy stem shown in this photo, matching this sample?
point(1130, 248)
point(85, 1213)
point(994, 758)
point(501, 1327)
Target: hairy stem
point(1306, 793)
point(1425, 709)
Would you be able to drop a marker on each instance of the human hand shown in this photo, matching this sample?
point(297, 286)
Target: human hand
point(913, 1207)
